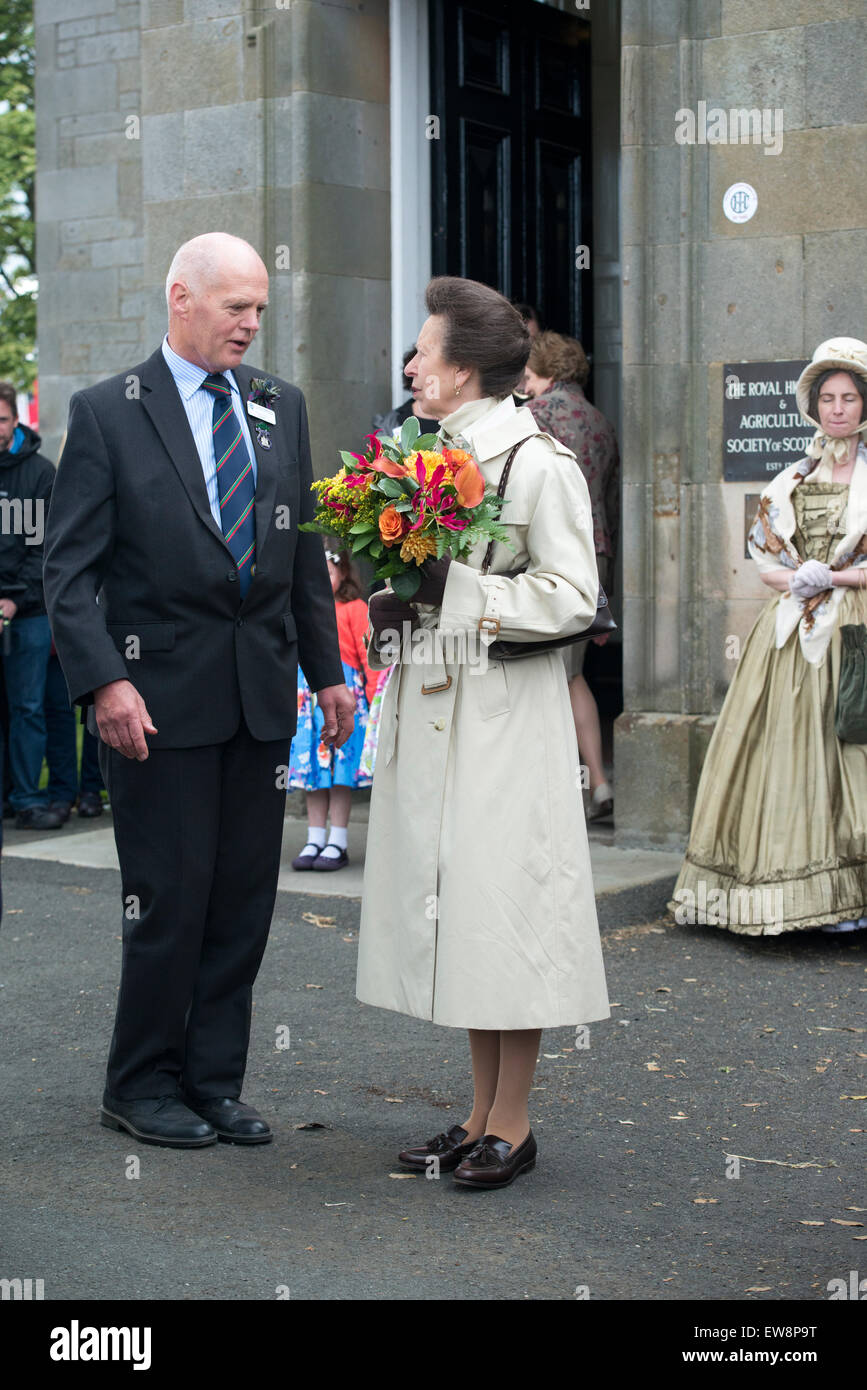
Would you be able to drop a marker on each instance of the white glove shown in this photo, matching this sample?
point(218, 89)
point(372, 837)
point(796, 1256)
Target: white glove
point(811, 578)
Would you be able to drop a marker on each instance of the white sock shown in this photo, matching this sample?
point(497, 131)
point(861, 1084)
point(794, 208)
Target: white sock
point(339, 836)
point(315, 836)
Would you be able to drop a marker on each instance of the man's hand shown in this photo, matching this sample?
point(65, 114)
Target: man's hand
point(338, 710)
point(122, 719)
point(7, 608)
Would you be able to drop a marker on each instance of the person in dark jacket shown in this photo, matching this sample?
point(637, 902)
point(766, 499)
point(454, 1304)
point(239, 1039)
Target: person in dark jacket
point(414, 405)
point(26, 480)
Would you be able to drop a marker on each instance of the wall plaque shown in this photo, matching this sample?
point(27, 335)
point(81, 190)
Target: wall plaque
point(763, 430)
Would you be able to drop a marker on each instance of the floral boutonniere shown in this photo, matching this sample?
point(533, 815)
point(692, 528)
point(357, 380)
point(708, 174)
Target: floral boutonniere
point(260, 402)
point(264, 391)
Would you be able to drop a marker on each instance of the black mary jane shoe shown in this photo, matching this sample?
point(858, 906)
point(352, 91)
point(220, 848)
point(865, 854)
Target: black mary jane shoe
point(449, 1148)
point(234, 1122)
point(327, 863)
point(303, 861)
point(495, 1163)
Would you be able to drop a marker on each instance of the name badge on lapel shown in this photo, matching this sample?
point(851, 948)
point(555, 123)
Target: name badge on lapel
point(261, 412)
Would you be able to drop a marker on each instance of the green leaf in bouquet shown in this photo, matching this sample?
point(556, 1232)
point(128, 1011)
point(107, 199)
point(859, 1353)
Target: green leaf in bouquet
point(404, 505)
point(426, 441)
point(391, 451)
point(376, 549)
point(390, 567)
point(390, 487)
point(409, 433)
point(349, 460)
point(409, 484)
point(360, 527)
point(317, 527)
point(406, 583)
point(443, 543)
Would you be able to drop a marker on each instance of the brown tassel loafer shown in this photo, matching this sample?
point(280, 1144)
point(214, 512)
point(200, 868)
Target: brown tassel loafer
point(494, 1163)
point(448, 1148)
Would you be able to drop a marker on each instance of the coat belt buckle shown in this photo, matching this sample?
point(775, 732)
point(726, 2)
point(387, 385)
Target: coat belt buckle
point(490, 625)
point(432, 689)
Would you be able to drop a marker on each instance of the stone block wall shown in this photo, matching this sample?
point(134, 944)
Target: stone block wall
point(90, 247)
point(699, 291)
point(160, 120)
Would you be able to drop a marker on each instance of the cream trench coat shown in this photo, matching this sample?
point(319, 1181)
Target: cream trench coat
point(478, 907)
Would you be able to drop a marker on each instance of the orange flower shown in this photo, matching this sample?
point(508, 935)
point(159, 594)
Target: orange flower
point(391, 525)
point(469, 483)
point(456, 457)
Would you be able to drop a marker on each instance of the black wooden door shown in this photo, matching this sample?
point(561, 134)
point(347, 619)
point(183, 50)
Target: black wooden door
point(510, 84)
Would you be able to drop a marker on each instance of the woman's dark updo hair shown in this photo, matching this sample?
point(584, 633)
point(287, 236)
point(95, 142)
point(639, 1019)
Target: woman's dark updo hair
point(482, 330)
point(816, 390)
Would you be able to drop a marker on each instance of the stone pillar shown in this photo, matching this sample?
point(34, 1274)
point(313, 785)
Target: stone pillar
point(272, 123)
point(89, 237)
point(700, 291)
point(158, 121)
point(326, 86)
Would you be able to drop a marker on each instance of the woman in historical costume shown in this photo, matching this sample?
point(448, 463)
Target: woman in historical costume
point(556, 373)
point(478, 909)
point(779, 832)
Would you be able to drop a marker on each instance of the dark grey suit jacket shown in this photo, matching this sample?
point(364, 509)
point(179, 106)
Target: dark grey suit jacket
point(130, 526)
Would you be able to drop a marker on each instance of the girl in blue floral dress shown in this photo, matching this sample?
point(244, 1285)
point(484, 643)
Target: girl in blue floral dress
point(328, 775)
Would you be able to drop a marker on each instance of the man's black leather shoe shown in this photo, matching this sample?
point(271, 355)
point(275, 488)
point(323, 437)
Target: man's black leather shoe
point(90, 805)
point(38, 818)
point(449, 1148)
point(234, 1122)
point(496, 1163)
point(158, 1120)
point(62, 808)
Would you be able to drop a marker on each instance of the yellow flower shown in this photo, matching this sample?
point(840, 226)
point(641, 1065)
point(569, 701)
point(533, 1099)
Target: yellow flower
point(417, 548)
point(432, 460)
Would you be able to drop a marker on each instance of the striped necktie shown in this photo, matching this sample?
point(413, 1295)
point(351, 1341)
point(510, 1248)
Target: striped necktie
point(234, 480)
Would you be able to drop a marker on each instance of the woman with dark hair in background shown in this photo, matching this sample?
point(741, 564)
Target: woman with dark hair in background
point(393, 419)
point(557, 371)
point(478, 909)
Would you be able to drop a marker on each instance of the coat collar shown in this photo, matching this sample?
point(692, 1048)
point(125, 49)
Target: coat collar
point(493, 432)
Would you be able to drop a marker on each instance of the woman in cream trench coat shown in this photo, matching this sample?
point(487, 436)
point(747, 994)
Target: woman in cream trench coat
point(478, 909)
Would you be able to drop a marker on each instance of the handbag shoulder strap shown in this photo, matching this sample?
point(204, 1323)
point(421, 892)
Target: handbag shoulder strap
point(501, 492)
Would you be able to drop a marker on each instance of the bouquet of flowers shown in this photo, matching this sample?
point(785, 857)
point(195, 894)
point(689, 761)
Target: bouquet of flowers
point(404, 501)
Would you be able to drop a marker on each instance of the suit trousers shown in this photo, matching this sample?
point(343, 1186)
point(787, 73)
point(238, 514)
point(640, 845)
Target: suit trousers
point(198, 834)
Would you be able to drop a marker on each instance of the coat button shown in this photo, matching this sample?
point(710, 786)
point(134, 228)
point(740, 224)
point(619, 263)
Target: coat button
point(440, 724)
point(232, 576)
point(239, 622)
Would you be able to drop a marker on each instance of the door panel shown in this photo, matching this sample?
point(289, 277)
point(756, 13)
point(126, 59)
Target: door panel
point(511, 169)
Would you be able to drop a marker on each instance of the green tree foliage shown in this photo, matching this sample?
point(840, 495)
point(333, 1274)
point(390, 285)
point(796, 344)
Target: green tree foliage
point(17, 194)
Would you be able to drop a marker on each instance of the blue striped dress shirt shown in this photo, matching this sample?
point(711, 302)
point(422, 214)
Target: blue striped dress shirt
point(199, 405)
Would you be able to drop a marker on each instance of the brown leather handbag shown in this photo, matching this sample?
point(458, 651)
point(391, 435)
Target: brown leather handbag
point(513, 651)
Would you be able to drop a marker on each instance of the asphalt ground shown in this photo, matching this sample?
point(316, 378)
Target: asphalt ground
point(718, 1045)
